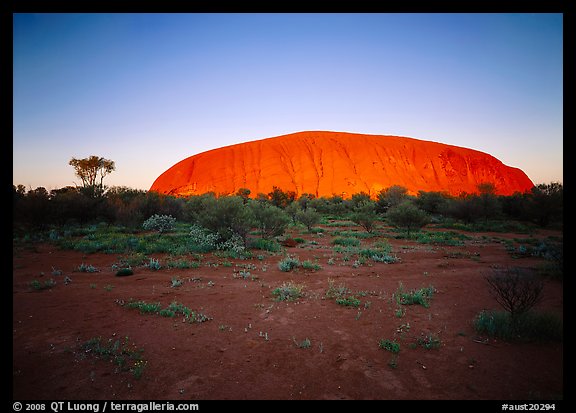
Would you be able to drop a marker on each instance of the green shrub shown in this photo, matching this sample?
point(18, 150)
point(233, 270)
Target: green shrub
point(441, 237)
point(349, 301)
point(123, 272)
point(389, 345)
point(530, 326)
point(412, 297)
point(306, 343)
point(172, 310)
point(265, 245)
point(154, 264)
point(144, 307)
point(226, 216)
point(336, 292)
point(38, 286)
point(202, 239)
point(270, 220)
point(182, 264)
point(176, 282)
point(365, 215)
point(347, 242)
point(159, 223)
point(309, 265)
point(126, 357)
point(429, 341)
point(309, 217)
point(407, 216)
point(288, 291)
point(87, 268)
point(288, 264)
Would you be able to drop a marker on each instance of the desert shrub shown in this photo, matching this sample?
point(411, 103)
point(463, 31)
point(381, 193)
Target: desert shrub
point(280, 198)
point(349, 301)
point(120, 353)
point(226, 216)
point(309, 217)
point(441, 237)
point(159, 223)
point(429, 341)
point(553, 253)
point(306, 343)
point(38, 286)
point(309, 265)
point(123, 272)
point(154, 264)
point(288, 291)
point(87, 268)
point(270, 220)
point(144, 307)
point(353, 242)
point(420, 296)
point(383, 257)
point(432, 202)
point(336, 291)
point(182, 263)
point(173, 309)
point(234, 244)
point(529, 326)
point(391, 197)
point(202, 239)
point(288, 264)
point(379, 252)
point(365, 215)
point(545, 204)
point(265, 244)
point(407, 216)
point(389, 345)
point(515, 289)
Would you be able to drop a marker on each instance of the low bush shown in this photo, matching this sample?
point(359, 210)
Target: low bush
point(389, 345)
point(530, 326)
point(159, 223)
point(123, 272)
point(288, 291)
point(288, 264)
point(421, 296)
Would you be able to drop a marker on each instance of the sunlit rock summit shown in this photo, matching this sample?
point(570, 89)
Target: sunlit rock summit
point(339, 163)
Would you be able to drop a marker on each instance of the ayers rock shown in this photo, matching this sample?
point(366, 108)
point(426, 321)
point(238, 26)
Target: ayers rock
point(338, 163)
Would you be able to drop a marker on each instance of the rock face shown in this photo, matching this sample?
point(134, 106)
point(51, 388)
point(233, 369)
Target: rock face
point(338, 163)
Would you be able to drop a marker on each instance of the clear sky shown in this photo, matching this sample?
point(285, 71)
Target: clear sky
point(148, 90)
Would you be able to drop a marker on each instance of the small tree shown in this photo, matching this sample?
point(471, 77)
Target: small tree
point(515, 290)
point(391, 197)
point(432, 202)
point(489, 205)
point(292, 210)
point(545, 203)
point(280, 198)
point(365, 216)
point(271, 220)
point(244, 193)
point(407, 216)
point(310, 217)
point(227, 216)
point(89, 169)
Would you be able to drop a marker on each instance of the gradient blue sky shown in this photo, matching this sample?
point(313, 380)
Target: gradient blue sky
point(148, 90)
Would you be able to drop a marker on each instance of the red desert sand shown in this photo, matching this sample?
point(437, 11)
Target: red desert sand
point(254, 347)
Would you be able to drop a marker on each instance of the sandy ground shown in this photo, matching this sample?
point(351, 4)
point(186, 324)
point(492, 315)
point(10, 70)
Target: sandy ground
point(249, 349)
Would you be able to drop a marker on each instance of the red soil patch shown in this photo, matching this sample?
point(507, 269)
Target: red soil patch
point(248, 350)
